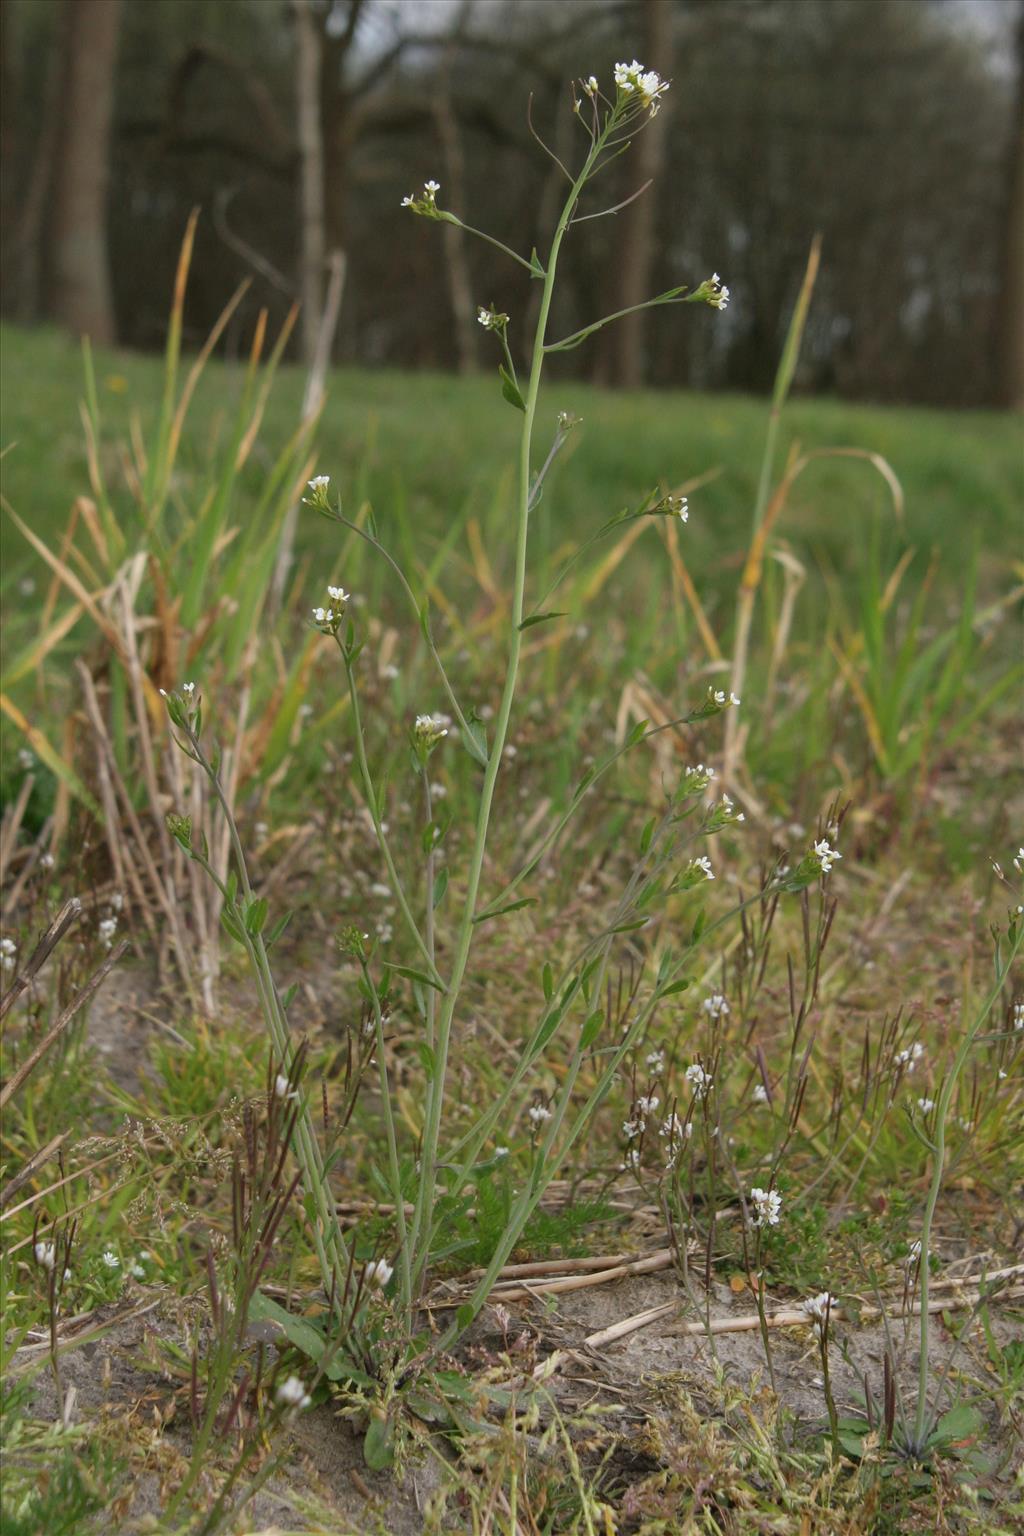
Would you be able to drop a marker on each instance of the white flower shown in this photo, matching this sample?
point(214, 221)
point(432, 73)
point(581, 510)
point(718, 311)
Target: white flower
point(538, 1113)
point(46, 860)
point(321, 482)
point(718, 298)
point(700, 1081)
point(292, 1394)
point(1018, 862)
point(716, 1005)
point(926, 1106)
point(767, 1205)
point(282, 1088)
point(378, 1272)
point(910, 1057)
point(500, 1152)
point(106, 931)
point(323, 615)
point(913, 1255)
point(431, 188)
point(110, 1259)
point(136, 1270)
point(491, 319)
point(1018, 1015)
point(8, 950)
point(116, 902)
point(590, 85)
point(656, 1061)
point(188, 688)
point(45, 1254)
point(632, 1160)
point(338, 594)
point(704, 865)
point(648, 1105)
point(429, 729)
point(672, 1127)
point(631, 1128)
point(760, 1094)
point(818, 1308)
point(826, 855)
point(26, 759)
point(407, 202)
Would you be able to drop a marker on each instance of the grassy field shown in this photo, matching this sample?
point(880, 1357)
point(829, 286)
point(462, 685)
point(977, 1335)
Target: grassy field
point(854, 1028)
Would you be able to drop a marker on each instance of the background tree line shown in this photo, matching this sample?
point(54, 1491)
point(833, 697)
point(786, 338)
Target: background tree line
point(892, 126)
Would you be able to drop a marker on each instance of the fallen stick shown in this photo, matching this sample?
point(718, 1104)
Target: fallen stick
point(656, 1261)
point(789, 1319)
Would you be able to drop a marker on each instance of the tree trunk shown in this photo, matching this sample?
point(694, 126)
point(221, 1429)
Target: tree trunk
point(311, 162)
point(1009, 318)
point(460, 284)
point(636, 246)
point(80, 291)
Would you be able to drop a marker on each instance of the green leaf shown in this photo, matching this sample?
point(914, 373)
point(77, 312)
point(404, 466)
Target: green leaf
point(232, 927)
point(542, 618)
point(307, 1339)
point(440, 886)
point(961, 1423)
point(591, 1028)
point(278, 928)
point(256, 914)
point(510, 389)
point(628, 927)
point(465, 1315)
point(427, 1057)
point(411, 974)
point(638, 733)
point(512, 906)
point(379, 1445)
point(536, 269)
point(547, 981)
point(675, 986)
point(647, 834)
point(698, 927)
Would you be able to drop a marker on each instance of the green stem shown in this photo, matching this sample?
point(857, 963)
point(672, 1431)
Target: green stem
point(435, 1089)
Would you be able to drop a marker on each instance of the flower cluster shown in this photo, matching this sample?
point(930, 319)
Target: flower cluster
point(634, 81)
point(427, 731)
point(723, 814)
point(715, 1005)
point(1018, 1015)
point(702, 867)
point(106, 931)
point(699, 1080)
point(318, 491)
point(292, 1394)
point(767, 1205)
point(538, 1113)
point(377, 1273)
point(491, 319)
point(8, 951)
point(819, 1309)
point(426, 202)
point(826, 855)
point(328, 619)
point(910, 1057)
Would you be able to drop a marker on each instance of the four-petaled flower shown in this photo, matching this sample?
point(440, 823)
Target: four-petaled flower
point(826, 855)
point(292, 1394)
point(819, 1309)
point(378, 1272)
point(699, 1080)
point(715, 1005)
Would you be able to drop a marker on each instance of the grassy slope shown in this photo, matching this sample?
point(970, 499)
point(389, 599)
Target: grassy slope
point(436, 440)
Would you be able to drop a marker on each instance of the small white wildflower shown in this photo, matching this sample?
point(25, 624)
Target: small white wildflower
point(632, 1128)
point(672, 1127)
point(378, 1272)
point(8, 951)
point(407, 202)
point(106, 931)
point(704, 865)
point(826, 855)
point(45, 1254)
point(656, 1061)
point(718, 297)
point(26, 759)
point(110, 1259)
point(767, 1205)
point(136, 1270)
point(819, 1308)
point(699, 1080)
point(188, 688)
point(631, 1162)
point(116, 902)
point(292, 1394)
point(913, 1255)
point(926, 1106)
point(716, 1005)
point(648, 1105)
point(910, 1057)
point(431, 188)
point(1018, 1015)
point(46, 860)
point(338, 594)
point(760, 1094)
point(538, 1113)
point(590, 85)
point(1018, 862)
point(283, 1089)
point(319, 483)
point(500, 1152)
point(429, 730)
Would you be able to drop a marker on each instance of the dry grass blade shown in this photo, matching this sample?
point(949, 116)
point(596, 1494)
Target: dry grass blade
point(73, 1008)
point(62, 923)
point(32, 1167)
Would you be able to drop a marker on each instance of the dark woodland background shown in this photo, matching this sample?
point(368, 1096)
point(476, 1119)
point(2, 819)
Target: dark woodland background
point(893, 127)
